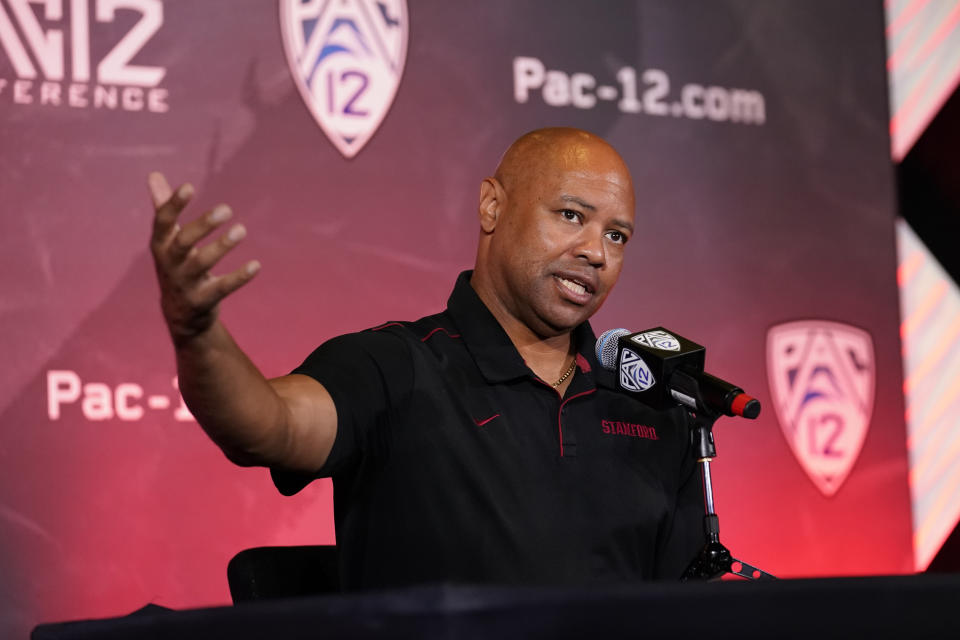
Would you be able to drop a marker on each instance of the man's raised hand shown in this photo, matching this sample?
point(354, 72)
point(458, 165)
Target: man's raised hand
point(189, 293)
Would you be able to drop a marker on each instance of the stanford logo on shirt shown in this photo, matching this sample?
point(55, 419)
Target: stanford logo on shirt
point(821, 378)
point(620, 428)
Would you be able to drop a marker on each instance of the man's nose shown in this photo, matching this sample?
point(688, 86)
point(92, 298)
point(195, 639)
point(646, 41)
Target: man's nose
point(590, 247)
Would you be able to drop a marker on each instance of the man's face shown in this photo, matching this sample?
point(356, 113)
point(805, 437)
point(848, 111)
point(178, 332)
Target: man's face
point(561, 237)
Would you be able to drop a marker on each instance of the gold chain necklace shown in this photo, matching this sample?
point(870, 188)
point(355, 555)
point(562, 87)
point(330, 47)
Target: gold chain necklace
point(566, 375)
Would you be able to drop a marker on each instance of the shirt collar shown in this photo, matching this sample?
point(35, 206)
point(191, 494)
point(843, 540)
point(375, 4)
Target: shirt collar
point(490, 345)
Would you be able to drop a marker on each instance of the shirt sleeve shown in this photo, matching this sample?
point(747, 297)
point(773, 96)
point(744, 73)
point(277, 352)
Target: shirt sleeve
point(684, 537)
point(369, 375)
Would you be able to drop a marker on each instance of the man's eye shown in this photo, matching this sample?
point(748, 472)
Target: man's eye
point(617, 237)
point(570, 214)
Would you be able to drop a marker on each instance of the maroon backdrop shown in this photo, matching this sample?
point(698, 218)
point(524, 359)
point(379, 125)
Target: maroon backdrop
point(757, 135)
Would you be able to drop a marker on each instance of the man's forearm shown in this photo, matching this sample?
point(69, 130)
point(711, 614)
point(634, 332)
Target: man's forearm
point(230, 398)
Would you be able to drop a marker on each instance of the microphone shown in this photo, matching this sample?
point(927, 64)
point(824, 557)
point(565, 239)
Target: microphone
point(663, 369)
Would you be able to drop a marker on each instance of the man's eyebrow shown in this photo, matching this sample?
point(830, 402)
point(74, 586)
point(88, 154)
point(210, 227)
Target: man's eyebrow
point(623, 224)
point(576, 200)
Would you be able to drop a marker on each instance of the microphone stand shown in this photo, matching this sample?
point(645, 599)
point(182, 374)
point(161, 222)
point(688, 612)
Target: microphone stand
point(714, 560)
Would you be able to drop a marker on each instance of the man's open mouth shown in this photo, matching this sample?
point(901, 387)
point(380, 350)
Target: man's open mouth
point(575, 286)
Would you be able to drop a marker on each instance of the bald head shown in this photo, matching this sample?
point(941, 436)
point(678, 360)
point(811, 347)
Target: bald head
point(554, 219)
point(554, 149)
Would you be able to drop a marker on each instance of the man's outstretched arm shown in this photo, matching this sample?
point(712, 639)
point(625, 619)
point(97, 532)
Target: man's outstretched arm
point(288, 422)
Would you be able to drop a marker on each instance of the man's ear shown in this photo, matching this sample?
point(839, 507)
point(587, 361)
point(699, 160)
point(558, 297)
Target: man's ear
point(492, 200)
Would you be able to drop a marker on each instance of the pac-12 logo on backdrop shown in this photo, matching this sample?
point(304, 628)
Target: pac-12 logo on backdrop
point(347, 57)
point(822, 382)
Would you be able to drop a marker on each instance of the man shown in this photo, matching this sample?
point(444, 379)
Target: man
point(481, 444)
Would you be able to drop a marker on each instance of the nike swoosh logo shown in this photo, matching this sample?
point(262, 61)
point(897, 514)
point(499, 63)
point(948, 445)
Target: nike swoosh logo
point(480, 423)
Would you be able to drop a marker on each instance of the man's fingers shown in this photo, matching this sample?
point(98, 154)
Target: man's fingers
point(167, 204)
point(206, 257)
point(160, 190)
point(219, 287)
point(198, 229)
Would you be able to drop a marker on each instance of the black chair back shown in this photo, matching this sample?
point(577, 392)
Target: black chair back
point(283, 572)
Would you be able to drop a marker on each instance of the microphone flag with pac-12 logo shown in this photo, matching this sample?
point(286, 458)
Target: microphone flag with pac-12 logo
point(822, 380)
point(635, 375)
point(664, 369)
point(647, 360)
point(347, 58)
point(657, 339)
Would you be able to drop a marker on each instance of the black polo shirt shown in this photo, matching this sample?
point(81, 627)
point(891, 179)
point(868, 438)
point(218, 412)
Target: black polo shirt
point(454, 462)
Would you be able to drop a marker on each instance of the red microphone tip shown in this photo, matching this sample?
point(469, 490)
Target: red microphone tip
point(746, 406)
